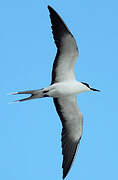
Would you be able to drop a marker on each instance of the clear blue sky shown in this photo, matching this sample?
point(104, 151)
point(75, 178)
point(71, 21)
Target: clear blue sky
point(30, 132)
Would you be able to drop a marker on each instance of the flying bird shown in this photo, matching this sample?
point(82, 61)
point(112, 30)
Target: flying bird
point(64, 89)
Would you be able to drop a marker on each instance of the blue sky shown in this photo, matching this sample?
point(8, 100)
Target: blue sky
point(30, 132)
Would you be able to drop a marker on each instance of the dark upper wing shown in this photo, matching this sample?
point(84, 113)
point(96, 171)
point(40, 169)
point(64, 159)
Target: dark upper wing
point(71, 119)
point(67, 53)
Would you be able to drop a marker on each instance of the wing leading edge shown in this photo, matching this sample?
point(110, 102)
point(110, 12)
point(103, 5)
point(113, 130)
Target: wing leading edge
point(67, 51)
point(72, 121)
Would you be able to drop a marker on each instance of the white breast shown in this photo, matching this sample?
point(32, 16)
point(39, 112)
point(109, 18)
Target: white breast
point(66, 88)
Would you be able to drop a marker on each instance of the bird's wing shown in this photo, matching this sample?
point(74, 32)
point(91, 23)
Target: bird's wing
point(67, 51)
point(72, 121)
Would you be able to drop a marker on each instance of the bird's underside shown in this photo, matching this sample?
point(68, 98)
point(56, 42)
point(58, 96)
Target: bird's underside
point(66, 105)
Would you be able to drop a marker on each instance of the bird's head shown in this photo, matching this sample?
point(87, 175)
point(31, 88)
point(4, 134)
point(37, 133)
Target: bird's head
point(89, 88)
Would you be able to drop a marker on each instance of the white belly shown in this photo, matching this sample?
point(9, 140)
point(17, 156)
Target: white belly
point(64, 89)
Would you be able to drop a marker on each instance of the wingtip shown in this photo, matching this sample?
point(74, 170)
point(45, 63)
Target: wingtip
point(49, 7)
point(63, 177)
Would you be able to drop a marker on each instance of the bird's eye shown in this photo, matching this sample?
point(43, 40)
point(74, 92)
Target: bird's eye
point(85, 84)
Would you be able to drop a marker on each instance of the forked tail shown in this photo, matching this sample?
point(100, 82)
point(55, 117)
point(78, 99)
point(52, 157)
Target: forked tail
point(33, 94)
